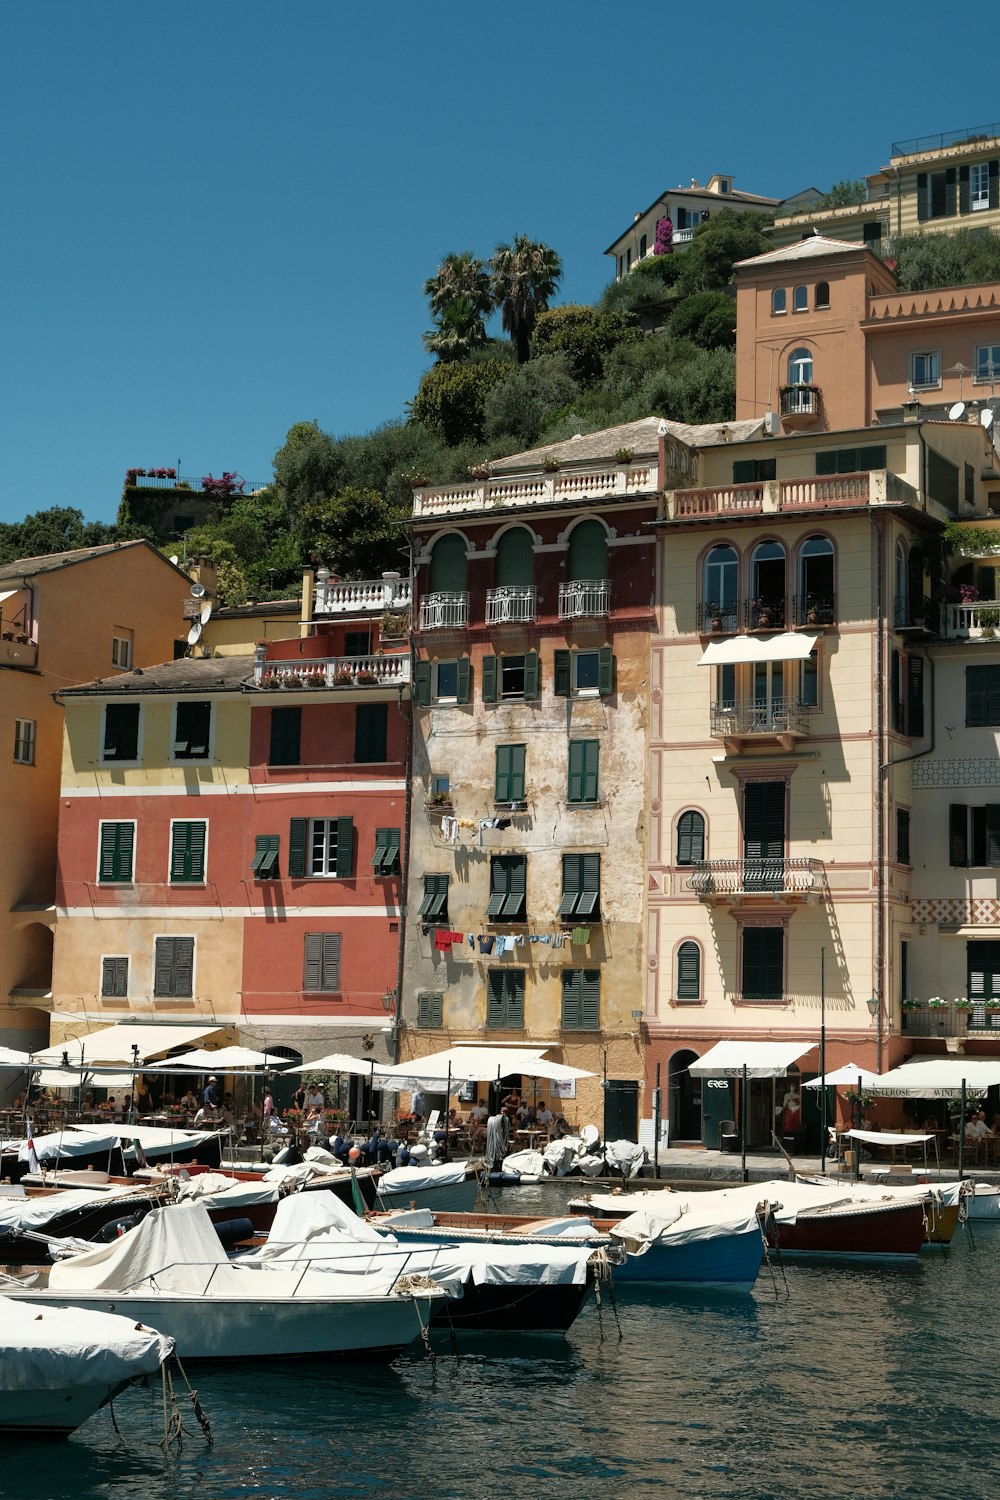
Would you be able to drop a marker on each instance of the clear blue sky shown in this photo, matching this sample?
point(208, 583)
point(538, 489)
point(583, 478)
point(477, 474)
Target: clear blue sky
point(218, 216)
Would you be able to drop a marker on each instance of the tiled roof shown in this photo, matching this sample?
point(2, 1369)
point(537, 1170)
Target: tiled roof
point(208, 674)
point(51, 562)
point(812, 248)
point(642, 437)
point(266, 607)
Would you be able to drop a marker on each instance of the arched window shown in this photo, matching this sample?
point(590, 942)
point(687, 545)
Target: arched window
point(449, 569)
point(588, 551)
point(689, 972)
point(800, 299)
point(766, 608)
point(901, 591)
point(800, 367)
point(515, 566)
point(690, 838)
point(815, 592)
point(720, 598)
point(821, 296)
point(779, 300)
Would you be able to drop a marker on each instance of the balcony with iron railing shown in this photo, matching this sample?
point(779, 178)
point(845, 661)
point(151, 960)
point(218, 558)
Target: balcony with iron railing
point(818, 492)
point(950, 1018)
point(814, 609)
point(444, 611)
point(584, 597)
point(303, 673)
point(510, 605)
point(359, 596)
point(765, 613)
point(799, 400)
point(719, 619)
point(712, 879)
point(782, 719)
point(920, 614)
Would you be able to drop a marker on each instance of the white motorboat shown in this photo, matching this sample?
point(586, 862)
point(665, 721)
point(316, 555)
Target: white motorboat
point(171, 1272)
point(445, 1186)
point(58, 1365)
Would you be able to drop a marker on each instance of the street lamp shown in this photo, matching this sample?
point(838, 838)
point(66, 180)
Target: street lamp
point(873, 1005)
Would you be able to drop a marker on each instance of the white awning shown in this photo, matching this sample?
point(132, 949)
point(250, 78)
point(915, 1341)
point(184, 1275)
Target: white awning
point(113, 1044)
point(847, 1075)
point(223, 1060)
point(337, 1062)
point(761, 1059)
point(473, 1065)
point(886, 1137)
point(791, 645)
point(939, 1077)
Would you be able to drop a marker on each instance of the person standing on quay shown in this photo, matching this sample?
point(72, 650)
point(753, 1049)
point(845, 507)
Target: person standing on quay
point(497, 1139)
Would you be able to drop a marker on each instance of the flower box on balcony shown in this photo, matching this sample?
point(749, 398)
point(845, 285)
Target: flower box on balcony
point(365, 674)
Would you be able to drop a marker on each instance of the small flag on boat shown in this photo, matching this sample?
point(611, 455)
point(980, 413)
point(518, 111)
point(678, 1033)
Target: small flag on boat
point(32, 1154)
point(140, 1155)
point(359, 1202)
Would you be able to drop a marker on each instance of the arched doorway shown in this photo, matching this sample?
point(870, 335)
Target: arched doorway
point(683, 1098)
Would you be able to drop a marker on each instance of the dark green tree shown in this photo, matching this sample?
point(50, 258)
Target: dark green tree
point(457, 331)
point(716, 246)
point(846, 193)
point(708, 319)
point(357, 532)
point(583, 336)
point(61, 528)
point(452, 397)
point(521, 406)
point(525, 275)
point(965, 258)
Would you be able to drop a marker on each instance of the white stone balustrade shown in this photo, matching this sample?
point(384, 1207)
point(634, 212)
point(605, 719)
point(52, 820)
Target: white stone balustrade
point(333, 672)
point(571, 482)
point(359, 596)
point(813, 492)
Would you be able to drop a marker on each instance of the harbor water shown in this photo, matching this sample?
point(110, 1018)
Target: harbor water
point(826, 1380)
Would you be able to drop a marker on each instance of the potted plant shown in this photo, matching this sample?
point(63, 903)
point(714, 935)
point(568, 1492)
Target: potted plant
point(343, 677)
point(911, 1004)
point(937, 1002)
point(624, 455)
point(365, 674)
point(479, 471)
point(962, 1003)
point(989, 619)
point(394, 623)
point(439, 799)
point(550, 463)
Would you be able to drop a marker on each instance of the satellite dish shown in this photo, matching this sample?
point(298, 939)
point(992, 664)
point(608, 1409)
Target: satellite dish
point(198, 590)
point(175, 559)
point(956, 412)
point(986, 419)
point(206, 611)
point(993, 402)
point(194, 634)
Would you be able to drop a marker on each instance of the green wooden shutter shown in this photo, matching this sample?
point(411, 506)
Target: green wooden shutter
point(590, 885)
point(422, 683)
point(531, 676)
point(449, 565)
point(963, 190)
point(515, 998)
point(385, 859)
point(763, 949)
point(896, 692)
point(463, 692)
point(992, 834)
point(184, 966)
point(370, 732)
point(605, 672)
point(588, 551)
point(515, 562)
point(976, 693)
point(590, 999)
point(584, 759)
point(298, 842)
point(117, 847)
point(499, 886)
point(496, 1008)
point(923, 197)
point(764, 820)
point(983, 960)
point(331, 961)
point(915, 695)
point(430, 1009)
point(187, 851)
point(958, 834)
point(561, 674)
point(489, 679)
point(688, 972)
point(265, 860)
point(163, 966)
point(826, 463)
point(517, 888)
point(994, 179)
point(744, 471)
point(902, 835)
point(571, 999)
point(690, 838)
point(313, 975)
point(114, 978)
point(510, 773)
point(286, 737)
point(572, 876)
point(868, 459)
point(345, 848)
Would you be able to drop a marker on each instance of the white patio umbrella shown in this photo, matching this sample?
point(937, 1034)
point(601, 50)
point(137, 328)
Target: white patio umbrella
point(848, 1074)
point(223, 1060)
point(337, 1062)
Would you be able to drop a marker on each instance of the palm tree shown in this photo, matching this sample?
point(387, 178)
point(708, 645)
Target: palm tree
point(460, 277)
point(457, 329)
point(525, 276)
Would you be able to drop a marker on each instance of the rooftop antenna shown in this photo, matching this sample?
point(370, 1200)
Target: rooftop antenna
point(961, 371)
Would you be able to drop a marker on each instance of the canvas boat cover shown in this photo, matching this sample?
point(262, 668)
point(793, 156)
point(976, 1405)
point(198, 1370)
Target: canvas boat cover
point(787, 1200)
point(683, 1224)
point(216, 1190)
point(51, 1348)
point(38, 1213)
point(318, 1228)
point(403, 1180)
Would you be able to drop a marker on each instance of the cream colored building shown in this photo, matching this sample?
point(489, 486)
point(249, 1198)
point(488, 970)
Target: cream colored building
point(792, 701)
point(686, 208)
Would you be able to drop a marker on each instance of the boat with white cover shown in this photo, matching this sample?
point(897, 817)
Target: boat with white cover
point(532, 1286)
point(450, 1186)
point(58, 1365)
point(171, 1272)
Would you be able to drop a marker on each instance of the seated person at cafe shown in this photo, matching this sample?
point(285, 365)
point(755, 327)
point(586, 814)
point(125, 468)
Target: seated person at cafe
point(976, 1127)
point(88, 1102)
point(544, 1116)
point(525, 1117)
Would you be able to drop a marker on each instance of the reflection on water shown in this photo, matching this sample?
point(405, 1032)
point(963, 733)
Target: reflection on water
point(871, 1380)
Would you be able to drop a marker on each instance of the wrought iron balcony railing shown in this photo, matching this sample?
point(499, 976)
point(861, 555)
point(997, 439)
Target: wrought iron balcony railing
point(814, 609)
point(765, 614)
point(584, 596)
point(719, 619)
point(749, 877)
point(775, 716)
point(506, 605)
point(445, 611)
